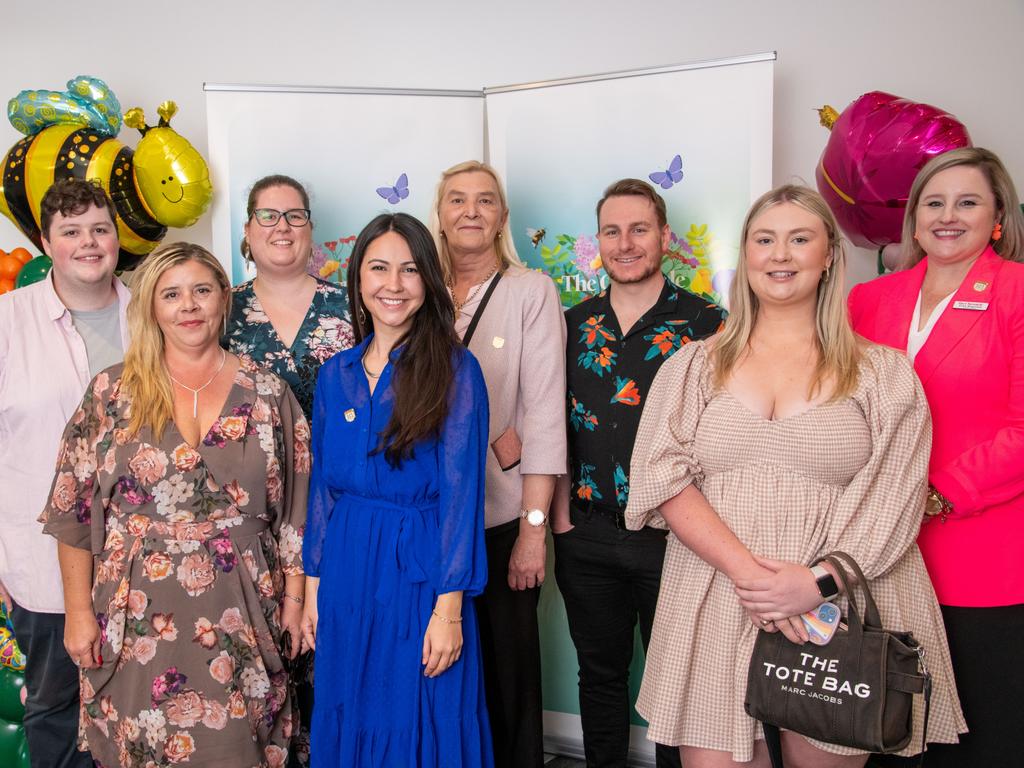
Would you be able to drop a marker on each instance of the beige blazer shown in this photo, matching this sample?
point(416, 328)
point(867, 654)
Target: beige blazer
point(520, 344)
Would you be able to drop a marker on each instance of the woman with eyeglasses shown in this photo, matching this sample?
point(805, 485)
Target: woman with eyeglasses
point(285, 318)
point(290, 322)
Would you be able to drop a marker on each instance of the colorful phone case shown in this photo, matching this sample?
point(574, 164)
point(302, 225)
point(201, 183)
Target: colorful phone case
point(821, 623)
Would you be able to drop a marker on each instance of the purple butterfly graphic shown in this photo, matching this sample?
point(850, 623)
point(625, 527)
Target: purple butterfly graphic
point(396, 193)
point(671, 175)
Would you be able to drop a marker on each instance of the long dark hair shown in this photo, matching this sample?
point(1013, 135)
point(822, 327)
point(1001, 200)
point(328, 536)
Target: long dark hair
point(423, 372)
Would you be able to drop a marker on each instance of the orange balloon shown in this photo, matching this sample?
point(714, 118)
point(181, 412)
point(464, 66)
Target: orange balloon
point(9, 266)
point(6, 284)
point(22, 254)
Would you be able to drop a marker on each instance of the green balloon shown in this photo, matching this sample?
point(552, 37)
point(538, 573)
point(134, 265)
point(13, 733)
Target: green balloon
point(12, 745)
point(10, 696)
point(34, 271)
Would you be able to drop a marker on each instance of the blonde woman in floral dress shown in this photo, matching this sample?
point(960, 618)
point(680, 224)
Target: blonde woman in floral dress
point(179, 501)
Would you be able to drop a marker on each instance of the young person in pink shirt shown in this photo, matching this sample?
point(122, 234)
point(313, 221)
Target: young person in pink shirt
point(55, 335)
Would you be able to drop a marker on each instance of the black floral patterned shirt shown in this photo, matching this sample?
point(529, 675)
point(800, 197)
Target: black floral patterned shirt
point(608, 376)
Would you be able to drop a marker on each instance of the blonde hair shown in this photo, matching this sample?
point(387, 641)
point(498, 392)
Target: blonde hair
point(1011, 245)
point(838, 353)
point(503, 244)
point(145, 379)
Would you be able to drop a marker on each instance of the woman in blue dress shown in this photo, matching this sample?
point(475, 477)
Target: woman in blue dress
point(394, 542)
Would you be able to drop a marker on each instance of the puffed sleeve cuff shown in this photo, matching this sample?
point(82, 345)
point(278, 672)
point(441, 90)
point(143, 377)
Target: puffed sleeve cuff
point(959, 490)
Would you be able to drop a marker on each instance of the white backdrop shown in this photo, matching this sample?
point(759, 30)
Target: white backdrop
point(351, 143)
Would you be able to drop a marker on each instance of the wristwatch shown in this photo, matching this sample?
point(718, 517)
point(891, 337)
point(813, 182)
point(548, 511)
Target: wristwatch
point(535, 517)
point(826, 582)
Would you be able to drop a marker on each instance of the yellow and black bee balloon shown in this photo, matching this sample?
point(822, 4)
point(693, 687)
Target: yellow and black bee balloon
point(164, 182)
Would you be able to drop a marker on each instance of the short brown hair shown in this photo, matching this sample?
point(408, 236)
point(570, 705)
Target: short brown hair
point(72, 197)
point(637, 188)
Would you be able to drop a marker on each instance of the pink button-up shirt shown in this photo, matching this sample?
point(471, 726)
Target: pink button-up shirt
point(44, 371)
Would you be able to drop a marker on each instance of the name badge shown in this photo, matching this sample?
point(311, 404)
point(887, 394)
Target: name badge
point(977, 306)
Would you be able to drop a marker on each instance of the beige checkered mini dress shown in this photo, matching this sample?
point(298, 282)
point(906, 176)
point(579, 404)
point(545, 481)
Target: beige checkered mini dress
point(848, 475)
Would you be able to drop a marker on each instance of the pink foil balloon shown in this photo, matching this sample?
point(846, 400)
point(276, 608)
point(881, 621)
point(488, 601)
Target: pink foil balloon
point(877, 146)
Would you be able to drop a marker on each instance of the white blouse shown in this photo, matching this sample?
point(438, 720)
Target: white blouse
point(916, 338)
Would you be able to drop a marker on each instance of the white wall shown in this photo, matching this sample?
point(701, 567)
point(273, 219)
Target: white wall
point(963, 57)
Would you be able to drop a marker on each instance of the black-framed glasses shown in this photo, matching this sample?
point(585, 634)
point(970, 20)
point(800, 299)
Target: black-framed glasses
point(268, 217)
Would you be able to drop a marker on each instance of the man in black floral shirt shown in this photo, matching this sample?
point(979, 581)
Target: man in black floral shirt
point(617, 341)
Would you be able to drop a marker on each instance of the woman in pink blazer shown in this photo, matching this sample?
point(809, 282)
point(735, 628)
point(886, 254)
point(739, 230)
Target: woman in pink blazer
point(957, 308)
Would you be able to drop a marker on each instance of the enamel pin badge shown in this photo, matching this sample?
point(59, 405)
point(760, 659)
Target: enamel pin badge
point(350, 415)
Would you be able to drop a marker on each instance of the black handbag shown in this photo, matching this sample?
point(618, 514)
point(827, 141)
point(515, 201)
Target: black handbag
point(857, 691)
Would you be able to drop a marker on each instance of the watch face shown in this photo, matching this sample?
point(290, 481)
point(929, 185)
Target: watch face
point(827, 586)
point(535, 517)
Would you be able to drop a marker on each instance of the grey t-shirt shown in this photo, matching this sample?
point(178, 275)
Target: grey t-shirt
point(100, 329)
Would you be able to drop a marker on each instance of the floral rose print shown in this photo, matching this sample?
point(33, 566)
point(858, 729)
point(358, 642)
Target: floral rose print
point(181, 527)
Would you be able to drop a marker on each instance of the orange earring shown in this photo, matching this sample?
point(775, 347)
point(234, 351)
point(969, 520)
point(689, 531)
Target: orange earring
point(997, 231)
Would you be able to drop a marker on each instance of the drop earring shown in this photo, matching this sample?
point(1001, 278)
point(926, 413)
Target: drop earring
point(362, 315)
point(997, 232)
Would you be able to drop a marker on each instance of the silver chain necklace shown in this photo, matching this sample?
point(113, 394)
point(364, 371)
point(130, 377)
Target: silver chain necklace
point(195, 392)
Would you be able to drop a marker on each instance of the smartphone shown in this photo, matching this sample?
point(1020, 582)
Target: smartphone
point(821, 623)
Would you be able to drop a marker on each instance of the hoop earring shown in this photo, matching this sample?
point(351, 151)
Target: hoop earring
point(361, 313)
point(997, 232)
point(826, 273)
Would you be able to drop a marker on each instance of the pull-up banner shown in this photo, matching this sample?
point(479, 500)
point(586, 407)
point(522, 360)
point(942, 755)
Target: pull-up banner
point(701, 132)
point(358, 152)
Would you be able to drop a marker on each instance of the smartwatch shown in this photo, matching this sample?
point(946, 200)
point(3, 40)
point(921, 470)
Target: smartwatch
point(826, 582)
point(535, 517)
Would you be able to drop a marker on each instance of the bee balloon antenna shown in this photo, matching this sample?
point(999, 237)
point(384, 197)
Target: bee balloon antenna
point(136, 118)
point(167, 110)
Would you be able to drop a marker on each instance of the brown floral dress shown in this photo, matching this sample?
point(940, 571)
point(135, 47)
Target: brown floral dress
point(191, 548)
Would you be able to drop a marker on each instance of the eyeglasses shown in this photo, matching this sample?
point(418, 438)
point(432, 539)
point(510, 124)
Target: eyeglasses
point(268, 217)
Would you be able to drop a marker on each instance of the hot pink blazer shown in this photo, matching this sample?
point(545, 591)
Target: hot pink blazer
point(972, 371)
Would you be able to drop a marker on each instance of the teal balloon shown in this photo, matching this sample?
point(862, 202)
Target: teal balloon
point(11, 708)
point(87, 102)
point(33, 272)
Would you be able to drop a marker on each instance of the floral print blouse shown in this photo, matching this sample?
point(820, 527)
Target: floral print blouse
point(324, 332)
point(192, 545)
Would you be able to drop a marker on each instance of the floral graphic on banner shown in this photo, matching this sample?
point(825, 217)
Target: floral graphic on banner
point(574, 263)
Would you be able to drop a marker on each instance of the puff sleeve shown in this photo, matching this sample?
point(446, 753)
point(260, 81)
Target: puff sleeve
point(663, 455)
point(878, 516)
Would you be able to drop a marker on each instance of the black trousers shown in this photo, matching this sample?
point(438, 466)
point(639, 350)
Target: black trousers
point(609, 578)
point(987, 649)
point(51, 679)
point(510, 645)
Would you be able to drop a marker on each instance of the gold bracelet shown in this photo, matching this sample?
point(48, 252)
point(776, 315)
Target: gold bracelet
point(445, 619)
point(299, 600)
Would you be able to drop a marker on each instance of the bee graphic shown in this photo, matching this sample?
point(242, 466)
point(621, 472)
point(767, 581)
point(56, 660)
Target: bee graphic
point(536, 235)
point(164, 182)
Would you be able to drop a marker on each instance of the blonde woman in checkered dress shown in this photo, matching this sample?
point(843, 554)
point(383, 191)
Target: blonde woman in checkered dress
point(780, 439)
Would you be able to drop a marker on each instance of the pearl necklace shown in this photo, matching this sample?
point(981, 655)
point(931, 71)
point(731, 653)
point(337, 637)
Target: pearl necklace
point(195, 392)
point(460, 304)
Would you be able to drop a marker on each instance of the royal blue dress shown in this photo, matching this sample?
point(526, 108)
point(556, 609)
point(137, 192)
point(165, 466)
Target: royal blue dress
point(385, 541)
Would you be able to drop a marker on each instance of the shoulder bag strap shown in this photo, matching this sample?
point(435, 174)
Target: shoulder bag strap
point(773, 740)
point(480, 310)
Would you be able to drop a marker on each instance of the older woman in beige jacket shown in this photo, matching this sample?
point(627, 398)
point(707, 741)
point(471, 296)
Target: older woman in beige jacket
point(511, 319)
